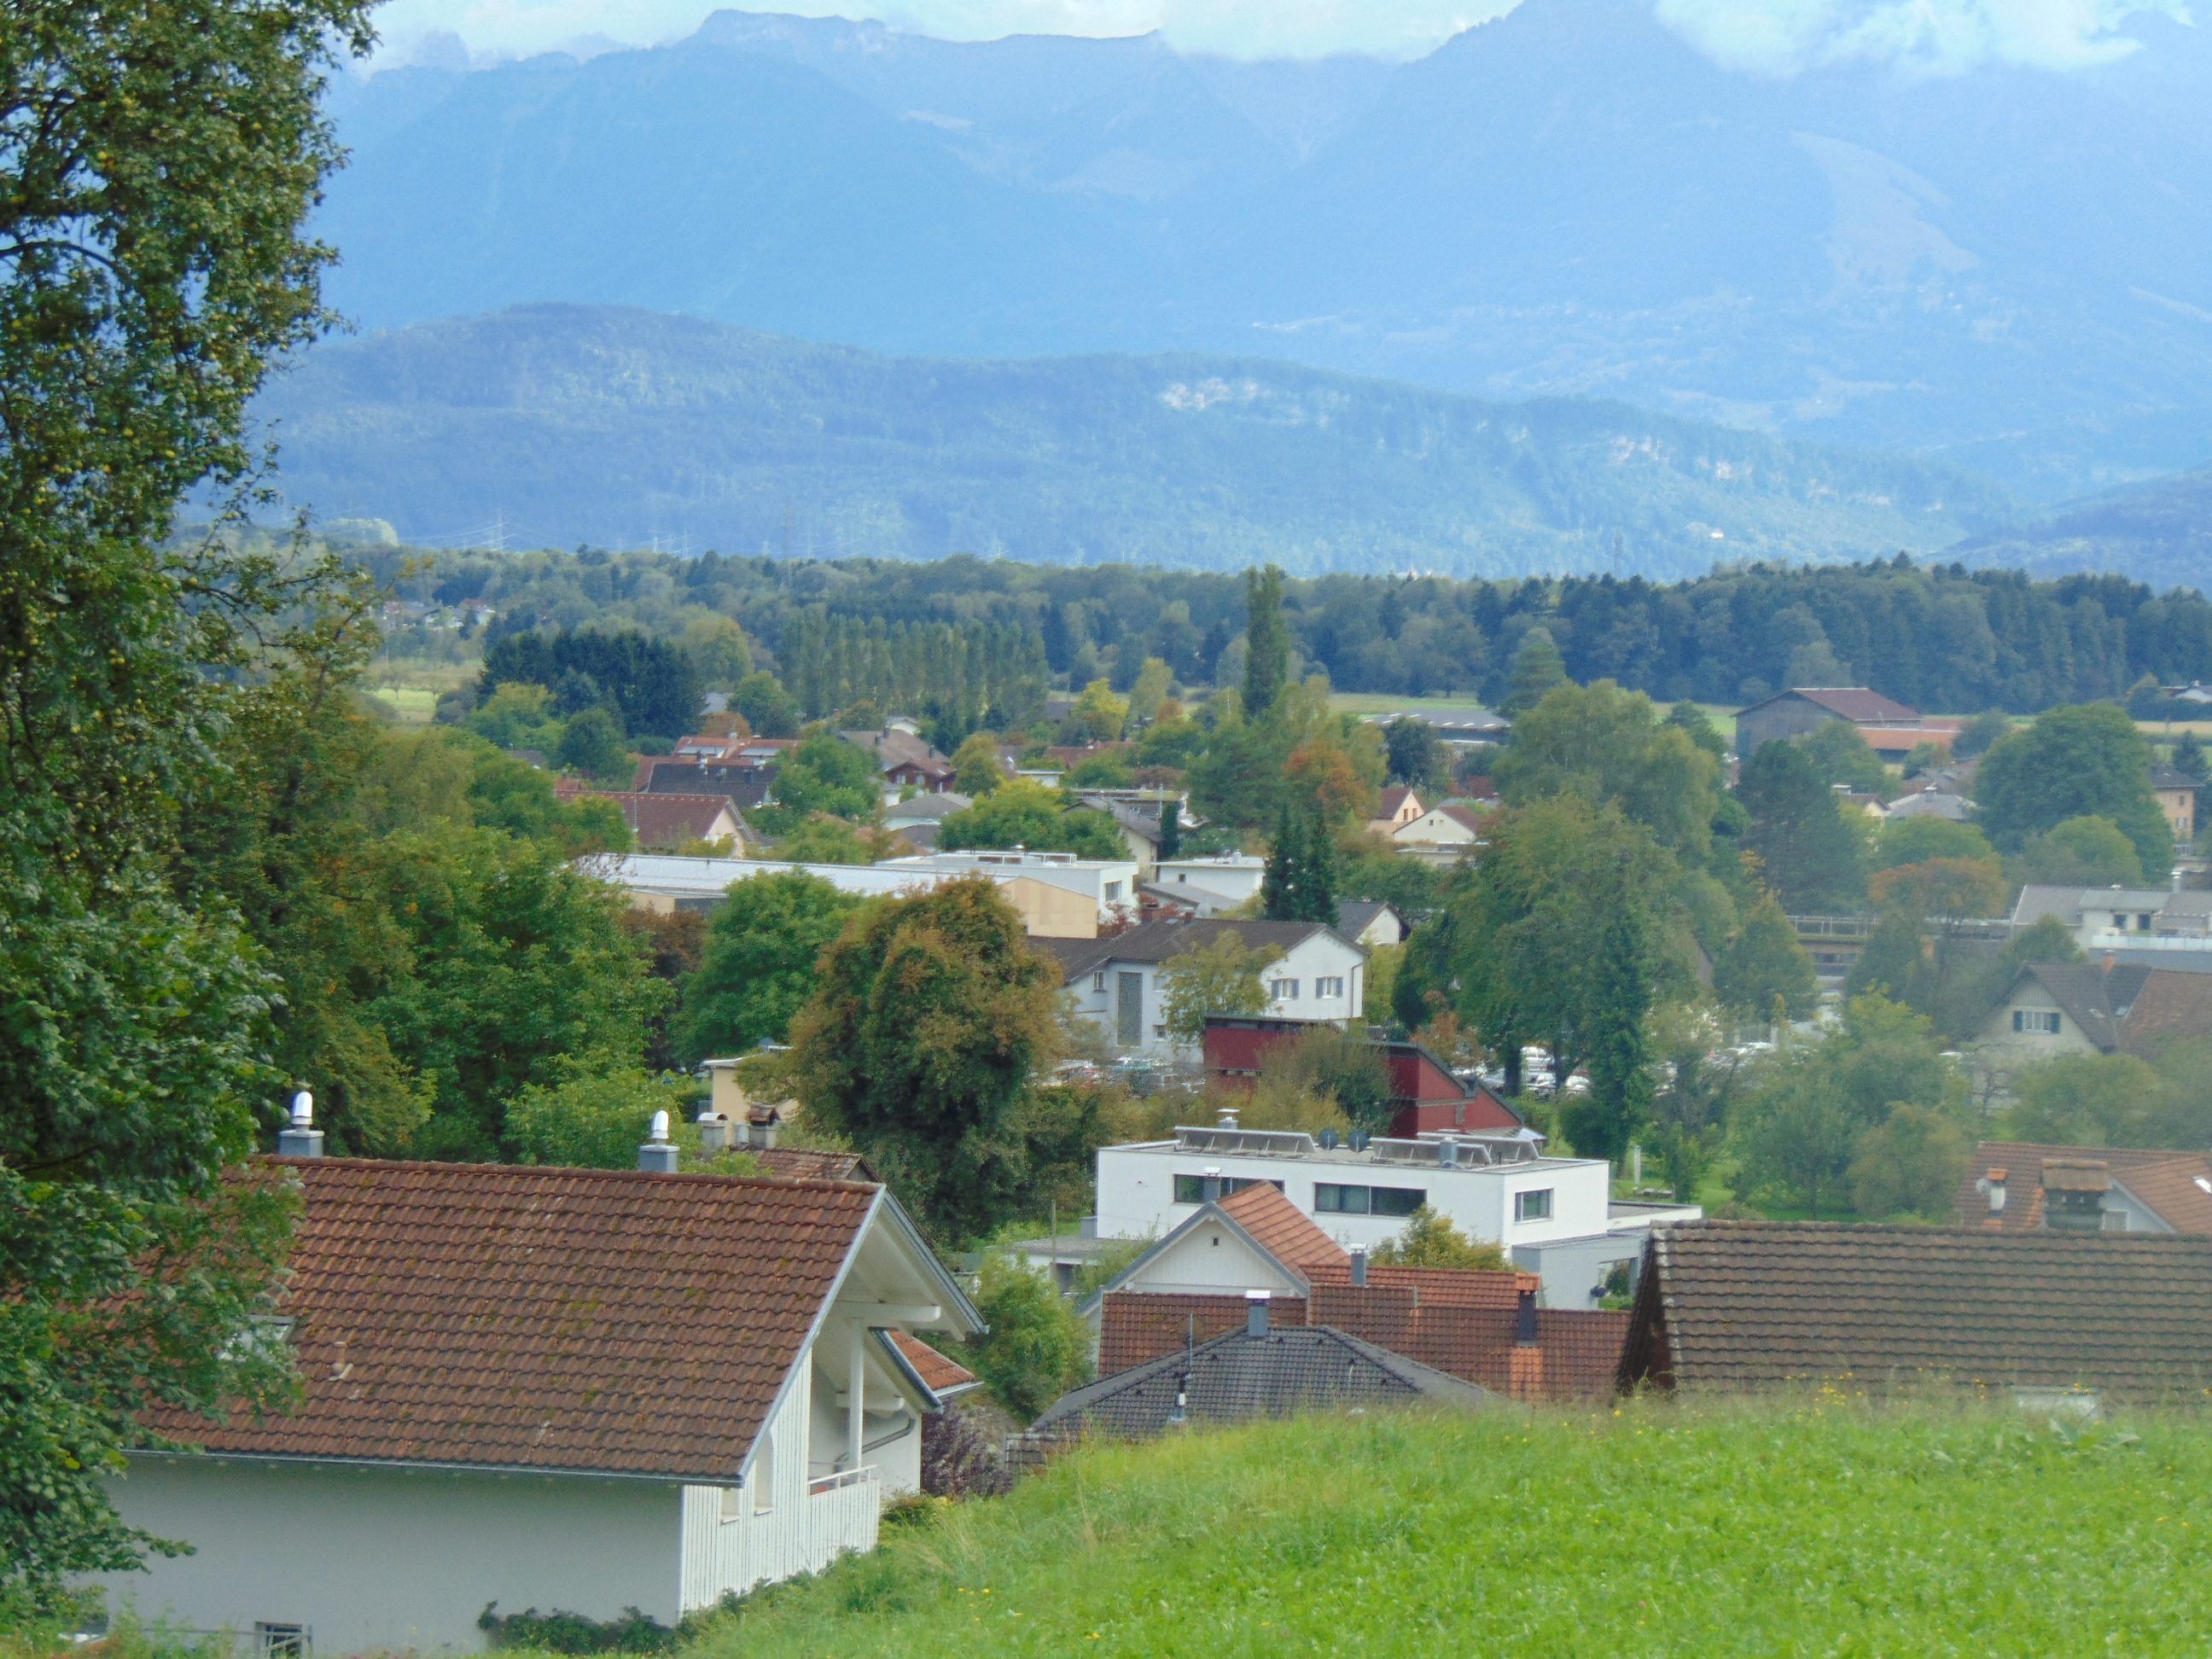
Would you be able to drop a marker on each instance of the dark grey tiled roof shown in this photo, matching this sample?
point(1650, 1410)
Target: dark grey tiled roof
point(1740, 1304)
point(2094, 998)
point(1239, 1376)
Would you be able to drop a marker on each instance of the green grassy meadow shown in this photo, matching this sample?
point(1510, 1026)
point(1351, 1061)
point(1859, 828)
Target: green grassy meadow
point(1818, 1526)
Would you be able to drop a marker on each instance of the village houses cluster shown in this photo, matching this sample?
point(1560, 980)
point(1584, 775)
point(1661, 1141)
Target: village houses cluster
point(604, 1390)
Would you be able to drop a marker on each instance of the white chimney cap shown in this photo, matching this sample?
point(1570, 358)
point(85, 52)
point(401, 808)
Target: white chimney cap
point(303, 1110)
point(660, 1128)
point(1259, 1296)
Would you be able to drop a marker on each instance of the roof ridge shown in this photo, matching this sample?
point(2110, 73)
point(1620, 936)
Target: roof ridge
point(691, 1177)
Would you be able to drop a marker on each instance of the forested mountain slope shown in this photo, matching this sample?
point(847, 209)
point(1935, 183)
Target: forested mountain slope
point(1934, 248)
point(575, 424)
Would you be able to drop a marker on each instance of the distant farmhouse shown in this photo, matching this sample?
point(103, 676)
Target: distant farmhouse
point(1891, 730)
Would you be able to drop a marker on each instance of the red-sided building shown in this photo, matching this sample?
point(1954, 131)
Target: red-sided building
point(1428, 1097)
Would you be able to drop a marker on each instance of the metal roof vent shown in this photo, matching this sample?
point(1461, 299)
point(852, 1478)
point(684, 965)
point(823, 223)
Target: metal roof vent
point(1256, 1312)
point(659, 1154)
point(302, 1139)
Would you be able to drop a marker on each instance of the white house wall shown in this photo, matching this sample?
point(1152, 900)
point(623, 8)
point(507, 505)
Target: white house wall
point(387, 1559)
point(1094, 996)
point(1136, 1194)
point(1211, 1259)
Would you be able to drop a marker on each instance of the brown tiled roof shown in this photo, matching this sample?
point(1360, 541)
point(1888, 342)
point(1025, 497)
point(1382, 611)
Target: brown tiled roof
point(940, 1374)
point(1392, 798)
point(802, 1163)
point(1906, 737)
point(1462, 813)
point(598, 1321)
point(1738, 1304)
point(2170, 1007)
point(1466, 1330)
point(2163, 1179)
point(662, 822)
point(1281, 1229)
point(1857, 703)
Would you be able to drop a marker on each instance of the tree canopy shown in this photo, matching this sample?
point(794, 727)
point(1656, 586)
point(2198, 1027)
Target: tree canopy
point(2087, 760)
point(930, 1015)
point(758, 970)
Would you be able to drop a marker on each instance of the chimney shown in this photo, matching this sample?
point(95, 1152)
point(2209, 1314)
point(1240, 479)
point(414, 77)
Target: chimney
point(1447, 1154)
point(1256, 1312)
point(1993, 1186)
point(658, 1155)
point(716, 1132)
point(1209, 1186)
point(1359, 1265)
point(302, 1139)
point(1524, 1366)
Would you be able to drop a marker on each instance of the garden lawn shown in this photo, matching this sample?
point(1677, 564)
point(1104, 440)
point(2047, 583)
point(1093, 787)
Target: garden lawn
point(1820, 1525)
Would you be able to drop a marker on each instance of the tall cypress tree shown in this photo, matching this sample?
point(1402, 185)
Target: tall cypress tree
point(1266, 640)
point(1172, 830)
point(1317, 892)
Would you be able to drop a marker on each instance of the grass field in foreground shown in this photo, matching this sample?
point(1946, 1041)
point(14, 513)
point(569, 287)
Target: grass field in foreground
point(1820, 1526)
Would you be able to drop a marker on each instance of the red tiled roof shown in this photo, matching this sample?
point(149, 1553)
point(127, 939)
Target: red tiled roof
point(1393, 798)
point(940, 1374)
point(1135, 1326)
point(594, 1321)
point(2166, 1180)
point(1443, 1287)
point(1907, 737)
point(1283, 1229)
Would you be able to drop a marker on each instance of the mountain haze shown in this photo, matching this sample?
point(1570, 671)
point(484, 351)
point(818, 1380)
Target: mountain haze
point(626, 427)
point(2010, 268)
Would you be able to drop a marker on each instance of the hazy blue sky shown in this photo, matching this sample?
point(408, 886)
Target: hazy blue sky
point(1935, 35)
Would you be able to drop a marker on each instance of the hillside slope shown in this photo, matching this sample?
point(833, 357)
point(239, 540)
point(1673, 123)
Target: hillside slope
point(2159, 532)
point(2001, 264)
point(628, 428)
point(1818, 1529)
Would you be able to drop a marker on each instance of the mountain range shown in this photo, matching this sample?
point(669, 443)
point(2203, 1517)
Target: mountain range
point(2006, 269)
point(555, 424)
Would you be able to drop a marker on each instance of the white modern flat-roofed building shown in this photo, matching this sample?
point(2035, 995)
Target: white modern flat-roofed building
point(1235, 876)
point(1108, 884)
point(1049, 908)
point(1555, 1216)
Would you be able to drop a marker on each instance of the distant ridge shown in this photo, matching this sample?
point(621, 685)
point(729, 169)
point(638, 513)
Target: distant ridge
point(623, 427)
point(2159, 532)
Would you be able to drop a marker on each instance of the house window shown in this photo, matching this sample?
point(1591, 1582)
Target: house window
point(1331, 986)
point(1283, 990)
point(1191, 1189)
point(1330, 1198)
point(1098, 981)
point(1113, 891)
point(281, 1641)
point(763, 1478)
point(2142, 923)
point(1534, 1205)
point(2120, 921)
point(2035, 1021)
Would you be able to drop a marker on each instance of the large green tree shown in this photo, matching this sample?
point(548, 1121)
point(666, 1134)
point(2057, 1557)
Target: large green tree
point(1609, 746)
point(1537, 669)
point(1025, 814)
point(1560, 935)
point(931, 1016)
point(1266, 641)
point(1807, 854)
point(825, 773)
point(1762, 968)
point(2084, 761)
point(157, 163)
point(759, 967)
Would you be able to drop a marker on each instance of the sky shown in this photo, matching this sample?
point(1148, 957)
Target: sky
point(1763, 36)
